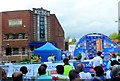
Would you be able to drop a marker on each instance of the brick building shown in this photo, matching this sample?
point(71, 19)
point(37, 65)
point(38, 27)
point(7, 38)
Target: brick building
point(24, 30)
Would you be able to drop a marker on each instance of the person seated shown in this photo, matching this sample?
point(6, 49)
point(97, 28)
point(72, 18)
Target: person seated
point(3, 75)
point(42, 74)
point(0, 73)
point(99, 74)
point(82, 74)
point(74, 75)
point(44, 65)
point(24, 71)
point(17, 76)
point(60, 71)
point(116, 72)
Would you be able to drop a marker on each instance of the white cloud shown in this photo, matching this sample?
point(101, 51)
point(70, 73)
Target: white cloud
point(78, 17)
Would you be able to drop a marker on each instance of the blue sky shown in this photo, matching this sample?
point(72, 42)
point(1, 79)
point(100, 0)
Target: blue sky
point(77, 17)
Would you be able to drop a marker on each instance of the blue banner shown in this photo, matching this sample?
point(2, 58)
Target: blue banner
point(89, 68)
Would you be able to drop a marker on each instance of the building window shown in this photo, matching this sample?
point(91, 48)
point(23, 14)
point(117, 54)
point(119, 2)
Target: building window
point(41, 27)
point(42, 32)
point(26, 36)
point(41, 18)
point(41, 23)
point(5, 36)
point(23, 51)
point(15, 51)
point(20, 36)
point(15, 36)
point(10, 36)
point(15, 22)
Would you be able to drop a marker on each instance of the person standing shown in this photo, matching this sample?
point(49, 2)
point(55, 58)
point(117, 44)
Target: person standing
point(50, 59)
point(63, 56)
point(83, 56)
point(67, 66)
point(97, 61)
point(53, 57)
point(112, 61)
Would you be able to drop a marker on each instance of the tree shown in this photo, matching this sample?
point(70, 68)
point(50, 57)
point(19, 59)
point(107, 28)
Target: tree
point(119, 36)
point(67, 39)
point(73, 40)
point(113, 36)
point(79, 56)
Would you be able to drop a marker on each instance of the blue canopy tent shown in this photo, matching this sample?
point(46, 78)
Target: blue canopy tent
point(47, 50)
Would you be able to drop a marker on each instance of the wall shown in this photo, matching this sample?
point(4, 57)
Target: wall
point(56, 32)
point(0, 36)
point(26, 27)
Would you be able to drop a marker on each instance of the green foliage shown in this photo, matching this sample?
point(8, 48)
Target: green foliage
point(72, 43)
point(118, 54)
point(73, 40)
point(119, 36)
point(24, 60)
point(79, 56)
point(113, 36)
point(67, 39)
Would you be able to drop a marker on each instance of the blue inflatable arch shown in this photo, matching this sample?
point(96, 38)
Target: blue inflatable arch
point(94, 42)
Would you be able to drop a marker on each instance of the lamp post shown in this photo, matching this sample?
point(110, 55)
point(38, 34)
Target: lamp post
point(118, 21)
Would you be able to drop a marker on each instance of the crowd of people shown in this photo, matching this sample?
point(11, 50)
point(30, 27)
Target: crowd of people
point(67, 72)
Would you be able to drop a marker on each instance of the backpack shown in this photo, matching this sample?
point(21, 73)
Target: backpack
point(114, 62)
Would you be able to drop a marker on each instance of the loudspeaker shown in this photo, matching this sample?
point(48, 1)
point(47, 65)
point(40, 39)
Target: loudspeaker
point(8, 51)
